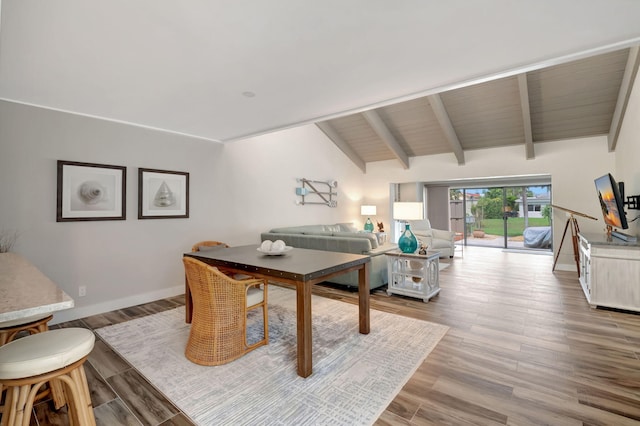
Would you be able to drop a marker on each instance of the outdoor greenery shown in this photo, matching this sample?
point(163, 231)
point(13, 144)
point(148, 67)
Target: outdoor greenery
point(491, 202)
point(515, 225)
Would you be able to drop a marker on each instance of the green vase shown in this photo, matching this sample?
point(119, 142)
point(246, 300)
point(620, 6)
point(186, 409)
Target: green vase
point(408, 243)
point(368, 225)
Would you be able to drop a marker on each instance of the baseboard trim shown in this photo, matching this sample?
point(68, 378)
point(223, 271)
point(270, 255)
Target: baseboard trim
point(566, 267)
point(112, 305)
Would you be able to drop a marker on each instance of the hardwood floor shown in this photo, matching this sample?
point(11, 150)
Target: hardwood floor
point(524, 348)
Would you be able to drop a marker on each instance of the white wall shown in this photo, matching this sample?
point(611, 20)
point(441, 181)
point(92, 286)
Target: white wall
point(265, 170)
point(573, 165)
point(628, 154)
point(136, 260)
point(236, 192)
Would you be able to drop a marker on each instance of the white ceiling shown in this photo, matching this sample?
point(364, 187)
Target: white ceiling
point(184, 66)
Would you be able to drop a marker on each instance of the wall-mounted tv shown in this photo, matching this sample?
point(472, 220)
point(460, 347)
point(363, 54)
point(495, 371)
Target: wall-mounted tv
point(611, 202)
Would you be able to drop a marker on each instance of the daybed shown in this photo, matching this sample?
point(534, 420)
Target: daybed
point(435, 239)
point(341, 237)
point(537, 237)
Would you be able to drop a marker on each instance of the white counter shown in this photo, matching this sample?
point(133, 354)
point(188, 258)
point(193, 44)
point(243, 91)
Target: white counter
point(25, 291)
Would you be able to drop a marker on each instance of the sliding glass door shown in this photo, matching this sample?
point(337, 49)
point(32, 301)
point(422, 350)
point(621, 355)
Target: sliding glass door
point(512, 217)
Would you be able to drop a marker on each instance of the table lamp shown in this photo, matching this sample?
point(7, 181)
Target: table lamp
point(403, 211)
point(368, 211)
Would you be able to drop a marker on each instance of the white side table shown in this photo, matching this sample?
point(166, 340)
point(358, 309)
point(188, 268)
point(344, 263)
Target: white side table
point(382, 237)
point(414, 275)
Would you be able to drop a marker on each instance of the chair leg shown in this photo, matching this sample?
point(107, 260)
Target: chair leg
point(4, 337)
point(20, 398)
point(57, 394)
point(15, 407)
point(265, 314)
point(83, 386)
point(265, 323)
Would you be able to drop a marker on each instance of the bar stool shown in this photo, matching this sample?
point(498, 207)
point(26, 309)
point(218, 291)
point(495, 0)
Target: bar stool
point(55, 356)
point(34, 324)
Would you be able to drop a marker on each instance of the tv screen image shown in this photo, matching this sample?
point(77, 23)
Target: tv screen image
point(611, 202)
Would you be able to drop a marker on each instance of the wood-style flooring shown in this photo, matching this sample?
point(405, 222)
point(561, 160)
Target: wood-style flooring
point(524, 348)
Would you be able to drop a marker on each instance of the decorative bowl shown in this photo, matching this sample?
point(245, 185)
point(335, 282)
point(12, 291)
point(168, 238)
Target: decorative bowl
point(275, 253)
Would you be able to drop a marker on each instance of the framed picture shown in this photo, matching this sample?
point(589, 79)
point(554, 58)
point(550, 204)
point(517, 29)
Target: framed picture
point(89, 191)
point(162, 194)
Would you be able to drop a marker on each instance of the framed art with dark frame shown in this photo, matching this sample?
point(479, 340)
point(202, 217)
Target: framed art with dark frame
point(162, 194)
point(88, 191)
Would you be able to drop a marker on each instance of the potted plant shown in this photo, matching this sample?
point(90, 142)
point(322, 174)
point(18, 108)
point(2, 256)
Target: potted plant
point(478, 216)
point(7, 240)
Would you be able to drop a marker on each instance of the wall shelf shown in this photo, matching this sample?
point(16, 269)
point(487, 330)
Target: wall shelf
point(323, 196)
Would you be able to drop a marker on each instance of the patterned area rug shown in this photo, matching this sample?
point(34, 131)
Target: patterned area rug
point(354, 378)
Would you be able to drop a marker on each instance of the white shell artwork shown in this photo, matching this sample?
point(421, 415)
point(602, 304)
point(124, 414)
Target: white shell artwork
point(92, 192)
point(164, 197)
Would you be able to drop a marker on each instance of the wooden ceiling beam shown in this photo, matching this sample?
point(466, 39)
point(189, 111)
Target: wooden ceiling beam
point(383, 132)
point(526, 116)
point(445, 123)
point(630, 71)
point(343, 146)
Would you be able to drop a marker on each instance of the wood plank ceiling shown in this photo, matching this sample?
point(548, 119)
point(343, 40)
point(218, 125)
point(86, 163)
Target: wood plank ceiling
point(586, 97)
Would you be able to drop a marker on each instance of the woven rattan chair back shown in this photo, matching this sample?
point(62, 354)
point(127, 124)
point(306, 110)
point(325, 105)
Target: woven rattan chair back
point(219, 324)
point(196, 246)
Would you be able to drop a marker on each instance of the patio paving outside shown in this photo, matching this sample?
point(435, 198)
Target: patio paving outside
point(497, 241)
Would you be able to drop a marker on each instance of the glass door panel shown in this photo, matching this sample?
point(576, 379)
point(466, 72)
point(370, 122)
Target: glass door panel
point(533, 221)
point(516, 217)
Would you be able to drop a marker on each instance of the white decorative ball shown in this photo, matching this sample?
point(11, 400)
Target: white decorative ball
point(266, 245)
point(278, 245)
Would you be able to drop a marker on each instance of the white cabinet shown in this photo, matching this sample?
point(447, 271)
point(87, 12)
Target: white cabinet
point(414, 275)
point(610, 271)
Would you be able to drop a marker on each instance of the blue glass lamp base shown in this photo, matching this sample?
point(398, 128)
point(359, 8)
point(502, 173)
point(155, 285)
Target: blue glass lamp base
point(408, 243)
point(368, 225)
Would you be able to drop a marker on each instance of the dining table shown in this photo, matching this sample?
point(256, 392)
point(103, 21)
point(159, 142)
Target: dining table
point(26, 292)
point(301, 268)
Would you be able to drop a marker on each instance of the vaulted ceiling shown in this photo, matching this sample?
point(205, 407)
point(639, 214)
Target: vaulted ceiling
point(586, 97)
point(383, 79)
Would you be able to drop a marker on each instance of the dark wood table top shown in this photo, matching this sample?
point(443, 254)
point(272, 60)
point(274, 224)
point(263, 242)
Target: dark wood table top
point(297, 264)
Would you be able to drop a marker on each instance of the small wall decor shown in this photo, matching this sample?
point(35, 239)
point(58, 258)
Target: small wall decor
point(162, 194)
point(87, 191)
point(309, 188)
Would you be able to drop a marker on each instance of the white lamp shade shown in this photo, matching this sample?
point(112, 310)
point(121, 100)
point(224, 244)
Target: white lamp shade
point(368, 210)
point(408, 211)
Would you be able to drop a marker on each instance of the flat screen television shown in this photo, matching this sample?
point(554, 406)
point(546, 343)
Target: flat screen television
point(611, 202)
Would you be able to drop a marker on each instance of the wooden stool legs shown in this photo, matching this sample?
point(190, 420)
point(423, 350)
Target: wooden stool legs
point(7, 334)
point(21, 393)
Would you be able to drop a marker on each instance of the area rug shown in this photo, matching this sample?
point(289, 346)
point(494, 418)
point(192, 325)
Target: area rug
point(354, 378)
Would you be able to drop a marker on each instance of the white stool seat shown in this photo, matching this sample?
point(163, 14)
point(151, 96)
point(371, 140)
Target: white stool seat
point(44, 352)
point(23, 321)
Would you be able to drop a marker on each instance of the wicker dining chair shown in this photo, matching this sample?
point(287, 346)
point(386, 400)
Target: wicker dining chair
point(220, 305)
point(202, 245)
point(208, 244)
